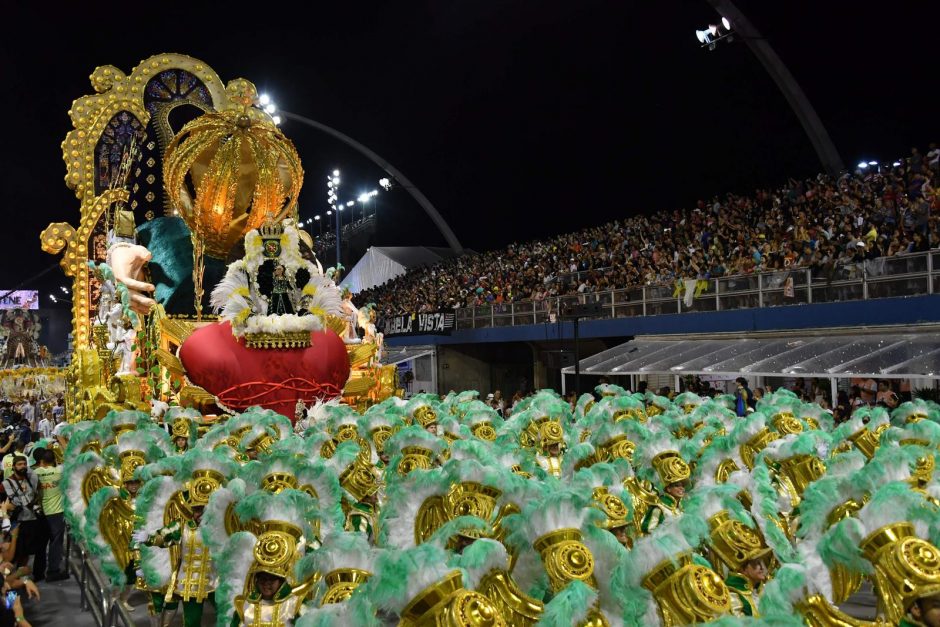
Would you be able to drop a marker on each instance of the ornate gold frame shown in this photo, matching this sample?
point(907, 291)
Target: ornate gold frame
point(115, 91)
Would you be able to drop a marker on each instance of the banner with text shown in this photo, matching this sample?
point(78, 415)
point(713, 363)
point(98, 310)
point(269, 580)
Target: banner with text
point(20, 299)
point(425, 323)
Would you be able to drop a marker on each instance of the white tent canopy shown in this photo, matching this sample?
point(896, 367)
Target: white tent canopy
point(382, 263)
point(879, 356)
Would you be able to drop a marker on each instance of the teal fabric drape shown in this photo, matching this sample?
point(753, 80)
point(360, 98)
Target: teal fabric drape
point(171, 268)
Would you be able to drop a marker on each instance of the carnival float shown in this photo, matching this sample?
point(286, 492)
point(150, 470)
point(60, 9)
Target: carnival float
point(234, 440)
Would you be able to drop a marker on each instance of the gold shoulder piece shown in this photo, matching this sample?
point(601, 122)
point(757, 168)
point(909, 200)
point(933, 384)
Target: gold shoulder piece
point(97, 478)
point(431, 515)
point(117, 526)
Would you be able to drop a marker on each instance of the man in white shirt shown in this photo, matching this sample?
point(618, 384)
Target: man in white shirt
point(46, 425)
point(29, 413)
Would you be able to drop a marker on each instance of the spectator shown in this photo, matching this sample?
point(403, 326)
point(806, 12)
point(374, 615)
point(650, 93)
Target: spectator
point(816, 223)
point(22, 488)
point(45, 426)
point(50, 476)
point(743, 397)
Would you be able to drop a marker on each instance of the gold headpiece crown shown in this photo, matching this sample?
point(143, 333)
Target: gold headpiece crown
point(205, 481)
point(733, 542)
point(276, 549)
point(670, 467)
point(227, 173)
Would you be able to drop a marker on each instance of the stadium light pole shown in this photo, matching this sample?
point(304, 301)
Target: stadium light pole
point(812, 125)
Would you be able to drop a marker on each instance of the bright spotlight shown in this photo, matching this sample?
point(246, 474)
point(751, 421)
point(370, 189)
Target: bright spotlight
point(872, 163)
point(335, 180)
point(329, 213)
point(316, 217)
point(64, 289)
point(862, 164)
point(896, 164)
point(270, 108)
point(351, 203)
point(363, 198)
point(702, 36)
point(264, 99)
point(385, 184)
point(335, 172)
point(726, 23)
point(374, 193)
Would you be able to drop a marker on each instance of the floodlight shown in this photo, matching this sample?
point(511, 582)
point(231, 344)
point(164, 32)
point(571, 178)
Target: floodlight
point(872, 163)
point(351, 203)
point(270, 108)
point(277, 119)
point(335, 172)
point(316, 217)
point(713, 29)
point(702, 36)
point(862, 164)
point(264, 99)
point(726, 23)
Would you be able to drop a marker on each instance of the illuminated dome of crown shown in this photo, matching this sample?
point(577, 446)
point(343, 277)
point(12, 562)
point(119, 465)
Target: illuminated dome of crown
point(228, 172)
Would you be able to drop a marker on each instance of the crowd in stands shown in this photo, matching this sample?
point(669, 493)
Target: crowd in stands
point(32, 524)
point(818, 223)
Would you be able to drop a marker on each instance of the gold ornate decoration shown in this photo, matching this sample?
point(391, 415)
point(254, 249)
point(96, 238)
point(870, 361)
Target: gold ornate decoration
point(448, 604)
point(116, 523)
point(341, 583)
point(565, 558)
point(618, 447)
point(205, 481)
point(276, 547)
point(227, 173)
point(800, 471)
point(484, 431)
point(818, 612)
point(724, 470)
point(277, 482)
point(670, 467)
point(750, 449)
point(617, 514)
point(687, 593)
point(115, 92)
point(866, 442)
point(131, 460)
point(905, 568)
point(551, 432)
point(358, 479)
point(425, 415)
point(733, 542)
point(415, 458)
point(298, 339)
point(518, 608)
point(181, 428)
point(786, 423)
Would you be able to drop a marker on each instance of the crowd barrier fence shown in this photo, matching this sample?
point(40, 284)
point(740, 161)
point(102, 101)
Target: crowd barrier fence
point(902, 275)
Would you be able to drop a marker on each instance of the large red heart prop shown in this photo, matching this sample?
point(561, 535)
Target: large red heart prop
point(270, 377)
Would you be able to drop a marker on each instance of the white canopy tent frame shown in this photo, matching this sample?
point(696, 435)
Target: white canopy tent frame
point(908, 353)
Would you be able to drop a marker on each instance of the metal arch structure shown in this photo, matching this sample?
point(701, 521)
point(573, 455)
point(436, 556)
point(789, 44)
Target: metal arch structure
point(818, 135)
point(415, 193)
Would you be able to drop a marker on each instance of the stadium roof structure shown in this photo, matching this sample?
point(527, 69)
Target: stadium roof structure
point(400, 354)
point(876, 355)
point(383, 263)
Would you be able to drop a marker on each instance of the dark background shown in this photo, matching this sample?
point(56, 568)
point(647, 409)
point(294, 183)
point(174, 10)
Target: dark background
point(517, 119)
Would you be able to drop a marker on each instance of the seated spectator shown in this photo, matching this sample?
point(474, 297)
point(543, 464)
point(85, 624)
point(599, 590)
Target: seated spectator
point(818, 223)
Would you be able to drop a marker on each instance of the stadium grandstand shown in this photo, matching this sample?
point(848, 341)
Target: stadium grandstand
point(822, 224)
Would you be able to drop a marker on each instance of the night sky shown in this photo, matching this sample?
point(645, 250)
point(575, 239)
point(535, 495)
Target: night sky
point(517, 119)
